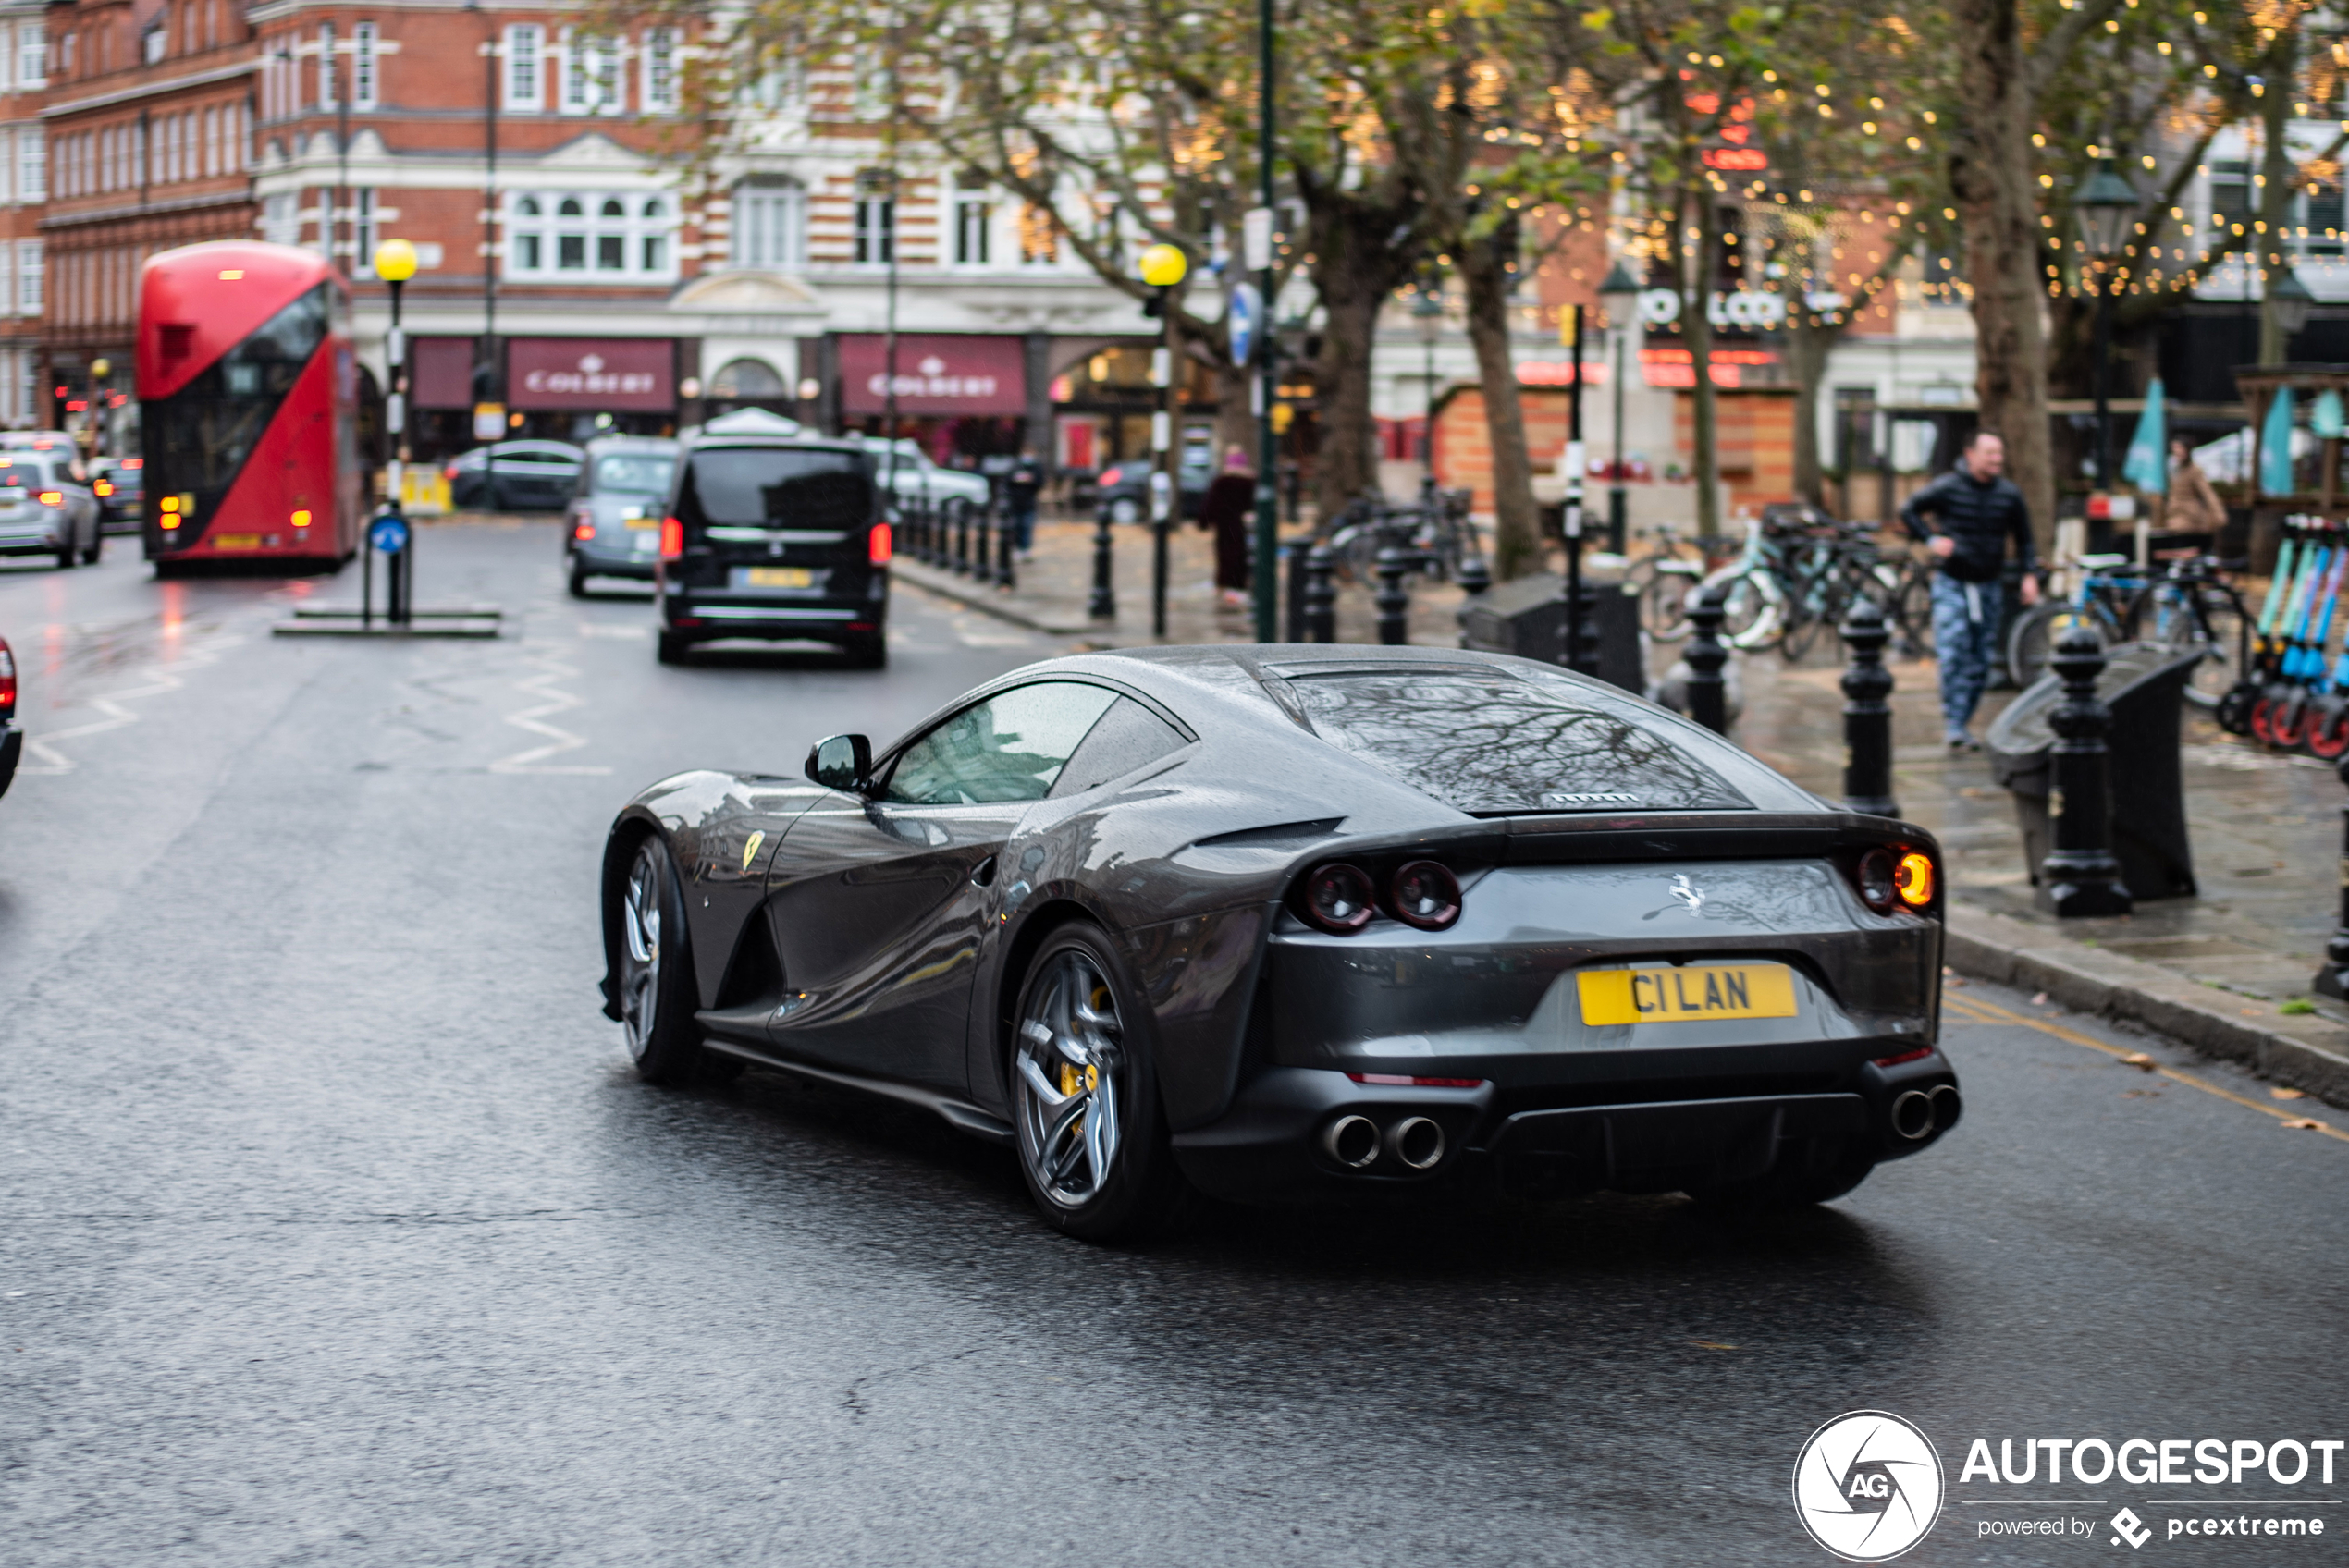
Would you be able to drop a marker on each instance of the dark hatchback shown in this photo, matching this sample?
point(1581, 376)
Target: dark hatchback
point(779, 539)
point(120, 485)
point(527, 476)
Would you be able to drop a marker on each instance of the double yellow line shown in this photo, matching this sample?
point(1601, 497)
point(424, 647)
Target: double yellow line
point(1974, 1009)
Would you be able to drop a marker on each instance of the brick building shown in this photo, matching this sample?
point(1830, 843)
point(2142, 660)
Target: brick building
point(24, 73)
point(145, 125)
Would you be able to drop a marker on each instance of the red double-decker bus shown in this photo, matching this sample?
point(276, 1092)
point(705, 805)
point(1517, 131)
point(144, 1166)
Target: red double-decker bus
point(249, 402)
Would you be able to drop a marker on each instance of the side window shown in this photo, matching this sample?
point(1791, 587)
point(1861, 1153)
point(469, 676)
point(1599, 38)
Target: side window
point(1011, 747)
point(1127, 736)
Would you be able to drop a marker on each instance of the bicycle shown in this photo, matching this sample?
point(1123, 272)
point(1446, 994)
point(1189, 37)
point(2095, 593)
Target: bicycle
point(1662, 580)
point(2191, 606)
point(2103, 602)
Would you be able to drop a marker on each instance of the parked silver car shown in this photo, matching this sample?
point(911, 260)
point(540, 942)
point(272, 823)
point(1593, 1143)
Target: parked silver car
point(912, 476)
point(47, 508)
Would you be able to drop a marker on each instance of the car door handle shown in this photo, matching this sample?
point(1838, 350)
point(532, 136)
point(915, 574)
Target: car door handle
point(984, 876)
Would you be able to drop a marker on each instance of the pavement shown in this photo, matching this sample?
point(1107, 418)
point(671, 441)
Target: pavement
point(340, 1230)
point(2228, 971)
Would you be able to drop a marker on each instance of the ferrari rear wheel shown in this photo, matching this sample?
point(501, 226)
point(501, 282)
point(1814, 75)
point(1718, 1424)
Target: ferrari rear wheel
point(1093, 1144)
point(656, 971)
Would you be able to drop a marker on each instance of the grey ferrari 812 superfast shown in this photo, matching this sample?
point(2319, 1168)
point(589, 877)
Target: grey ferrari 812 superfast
point(1282, 924)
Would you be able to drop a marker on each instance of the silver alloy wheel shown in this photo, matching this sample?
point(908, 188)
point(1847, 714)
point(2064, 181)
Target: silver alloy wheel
point(1066, 1062)
point(640, 910)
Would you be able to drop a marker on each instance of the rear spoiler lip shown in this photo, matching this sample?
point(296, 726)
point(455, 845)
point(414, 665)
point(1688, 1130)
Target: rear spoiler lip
point(1594, 836)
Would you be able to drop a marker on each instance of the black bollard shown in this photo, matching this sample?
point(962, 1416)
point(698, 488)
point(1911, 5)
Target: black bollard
point(1320, 596)
point(962, 515)
point(2080, 876)
point(1006, 570)
point(1476, 576)
point(2333, 980)
point(1103, 604)
point(1867, 717)
point(1394, 604)
point(1708, 693)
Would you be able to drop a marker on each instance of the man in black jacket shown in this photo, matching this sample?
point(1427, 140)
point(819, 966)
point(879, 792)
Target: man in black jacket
point(1975, 512)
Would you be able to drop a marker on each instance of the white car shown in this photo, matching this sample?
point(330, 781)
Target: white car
point(912, 477)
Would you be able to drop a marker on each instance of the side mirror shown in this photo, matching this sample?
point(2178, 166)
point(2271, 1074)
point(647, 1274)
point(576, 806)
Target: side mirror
point(842, 762)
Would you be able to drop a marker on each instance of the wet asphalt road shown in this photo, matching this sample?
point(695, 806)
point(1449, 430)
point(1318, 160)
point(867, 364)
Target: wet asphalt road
point(337, 1229)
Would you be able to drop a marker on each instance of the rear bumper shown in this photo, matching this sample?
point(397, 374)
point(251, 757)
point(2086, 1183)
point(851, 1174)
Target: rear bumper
point(710, 613)
point(598, 562)
point(11, 750)
point(1277, 1143)
point(34, 539)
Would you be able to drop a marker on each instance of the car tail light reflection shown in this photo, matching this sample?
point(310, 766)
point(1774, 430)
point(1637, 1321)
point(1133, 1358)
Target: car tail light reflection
point(7, 681)
point(1917, 1055)
point(878, 544)
point(1337, 898)
point(1425, 894)
point(672, 539)
point(1409, 1080)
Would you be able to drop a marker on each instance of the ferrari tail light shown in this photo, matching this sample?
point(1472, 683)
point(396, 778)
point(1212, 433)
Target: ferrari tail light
point(1424, 894)
point(1337, 898)
point(878, 544)
point(672, 539)
point(7, 681)
point(1913, 877)
point(1873, 876)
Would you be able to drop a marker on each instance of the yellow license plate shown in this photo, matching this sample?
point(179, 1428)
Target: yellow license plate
point(1687, 995)
point(235, 542)
point(642, 521)
point(779, 577)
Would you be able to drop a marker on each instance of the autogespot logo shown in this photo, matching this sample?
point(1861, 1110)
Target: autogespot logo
point(1867, 1486)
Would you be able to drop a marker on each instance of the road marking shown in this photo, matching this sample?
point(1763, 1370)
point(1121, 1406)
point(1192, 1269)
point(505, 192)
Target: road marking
point(186, 656)
point(1974, 1009)
point(550, 670)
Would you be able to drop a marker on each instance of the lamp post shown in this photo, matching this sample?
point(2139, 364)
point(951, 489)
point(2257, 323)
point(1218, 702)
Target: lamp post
point(100, 370)
point(1620, 294)
point(1268, 522)
point(2105, 204)
point(395, 263)
point(1164, 267)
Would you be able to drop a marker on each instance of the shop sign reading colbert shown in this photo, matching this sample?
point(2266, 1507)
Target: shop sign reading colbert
point(597, 374)
point(937, 373)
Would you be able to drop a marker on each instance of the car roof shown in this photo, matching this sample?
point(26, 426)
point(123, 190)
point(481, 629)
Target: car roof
point(634, 443)
point(779, 443)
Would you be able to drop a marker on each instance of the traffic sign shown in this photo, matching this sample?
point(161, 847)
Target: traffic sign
point(1248, 318)
point(389, 534)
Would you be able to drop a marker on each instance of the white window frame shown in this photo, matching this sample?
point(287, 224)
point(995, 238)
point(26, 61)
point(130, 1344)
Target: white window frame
point(965, 226)
point(32, 56)
point(363, 226)
point(770, 227)
point(326, 65)
point(657, 77)
point(281, 217)
point(30, 274)
point(542, 233)
point(363, 65)
point(873, 231)
point(526, 60)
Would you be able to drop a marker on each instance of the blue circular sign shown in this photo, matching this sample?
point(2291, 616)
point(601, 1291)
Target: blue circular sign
point(389, 534)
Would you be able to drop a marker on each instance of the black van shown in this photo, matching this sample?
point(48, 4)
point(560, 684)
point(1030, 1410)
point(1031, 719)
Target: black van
point(775, 537)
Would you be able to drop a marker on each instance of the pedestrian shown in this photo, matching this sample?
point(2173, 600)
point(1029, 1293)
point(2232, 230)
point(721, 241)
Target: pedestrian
point(2192, 507)
point(1976, 511)
point(1021, 485)
point(1226, 509)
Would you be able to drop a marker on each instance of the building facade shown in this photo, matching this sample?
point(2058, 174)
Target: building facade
point(24, 82)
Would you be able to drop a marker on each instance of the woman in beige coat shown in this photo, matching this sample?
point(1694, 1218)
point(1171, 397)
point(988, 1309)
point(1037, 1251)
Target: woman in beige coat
point(2192, 507)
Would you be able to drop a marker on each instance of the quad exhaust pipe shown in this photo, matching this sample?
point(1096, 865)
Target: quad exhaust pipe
point(1356, 1142)
point(1919, 1113)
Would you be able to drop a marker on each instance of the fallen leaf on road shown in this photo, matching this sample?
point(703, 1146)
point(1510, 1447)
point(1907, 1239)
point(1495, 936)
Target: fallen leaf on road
point(2249, 1011)
point(2306, 1125)
point(2287, 1094)
point(2039, 1000)
point(1956, 981)
point(2139, 1060)
point(1711, 1344)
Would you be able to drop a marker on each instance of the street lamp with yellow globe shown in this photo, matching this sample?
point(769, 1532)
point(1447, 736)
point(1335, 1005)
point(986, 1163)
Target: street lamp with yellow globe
point(1164, 267)
point(396, 263)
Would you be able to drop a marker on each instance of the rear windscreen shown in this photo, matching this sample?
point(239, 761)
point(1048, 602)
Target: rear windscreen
point(20, 479)
point(634, 474)
point(779, 487)
point(1483, 741)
